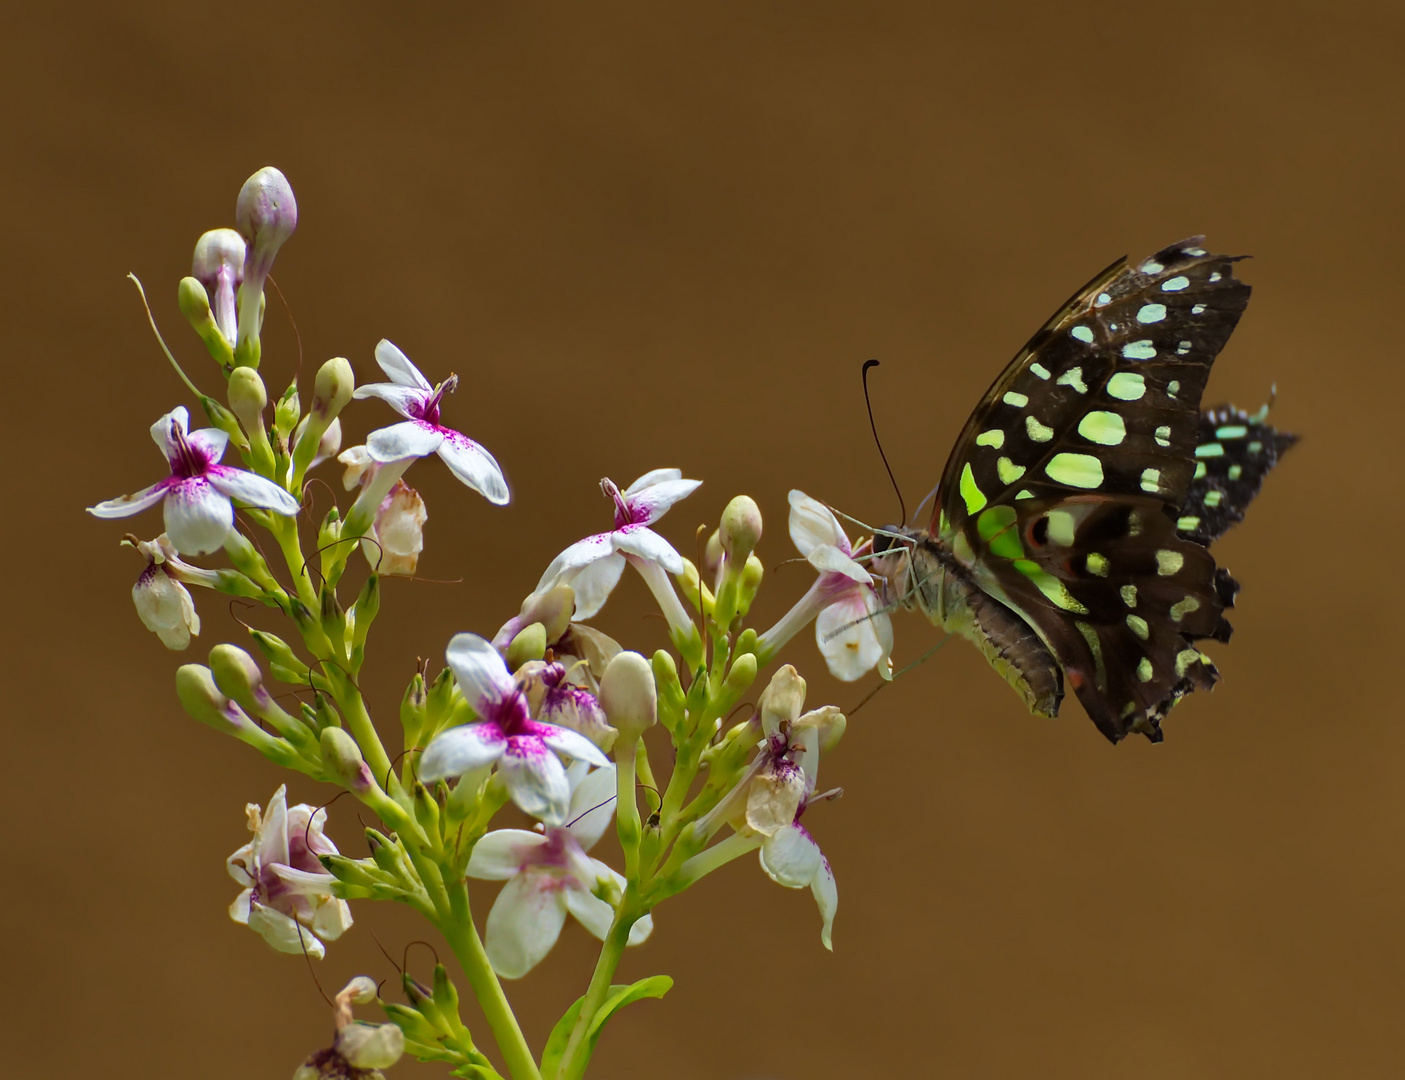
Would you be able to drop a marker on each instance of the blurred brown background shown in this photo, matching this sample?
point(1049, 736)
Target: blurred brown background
point(652, 235)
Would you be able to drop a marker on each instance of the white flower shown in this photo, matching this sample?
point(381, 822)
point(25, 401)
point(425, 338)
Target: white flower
point(548, 875)
point(410, 394)
point(196, 495)
point(592, 567)
point(524, 749)
point(287, 897)
point(396, 536)
point(164, 605)
point(852, 627)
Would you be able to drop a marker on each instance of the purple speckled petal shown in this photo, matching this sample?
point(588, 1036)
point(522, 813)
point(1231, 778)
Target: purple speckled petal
point(210, 443)
point(536, 779)
point(474, 466)
point(568, 742)
point(253, 489)
point(127, 505)
point(649, 504)
point(483, 677)
point(460, 750)
point(524, 923)
point(198, 516)
point(410, 439)
point(643, 541)
point(398, 367)
point(502, 853)
point(791, 858)
point(812, 524)
point(408, 401)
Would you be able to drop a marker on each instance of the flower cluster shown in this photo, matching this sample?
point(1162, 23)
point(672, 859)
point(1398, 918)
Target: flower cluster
point(550, 721)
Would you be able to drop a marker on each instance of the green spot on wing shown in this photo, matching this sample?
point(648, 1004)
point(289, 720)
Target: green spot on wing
point(1050, 586)
point(996, 527)
point(1075, 470)
point(971, 495)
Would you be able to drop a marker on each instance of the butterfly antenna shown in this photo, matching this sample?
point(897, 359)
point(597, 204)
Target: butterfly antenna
point(902, 506)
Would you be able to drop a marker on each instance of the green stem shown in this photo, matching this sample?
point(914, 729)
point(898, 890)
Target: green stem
point(353, 709)
point(463, 938)
point(577, 1051)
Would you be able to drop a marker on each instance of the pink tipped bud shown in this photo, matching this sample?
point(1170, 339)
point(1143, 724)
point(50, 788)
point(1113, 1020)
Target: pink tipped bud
point(266, 214)
point(219, 266)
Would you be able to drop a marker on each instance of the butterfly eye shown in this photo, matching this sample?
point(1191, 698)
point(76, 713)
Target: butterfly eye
point(883, 541)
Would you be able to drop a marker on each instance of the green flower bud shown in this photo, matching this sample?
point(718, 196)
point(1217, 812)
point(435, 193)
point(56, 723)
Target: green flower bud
point(287, 413)
point(741, 528)
point(282, 661)
point(226, 421)
point(691, 586)
point(363, 613)
point(752, 574)
point(672, 706)
point(739, 678)
point(349, 871)
point(529, 644)
point(247, 397)
point(249, 562)
point(342, 758)
point(332, 390)
point(201, 698)
point(426, 811)
point(238, 675)
point(628, 696)
point(194, 304)
point(446, 995)
point(413, 712)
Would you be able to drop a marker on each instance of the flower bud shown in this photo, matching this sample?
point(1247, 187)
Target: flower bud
point(741, 528)
point(712, 554)
point(739, 677)
point(247, 397)
point(669, 689)
point(219, 266)
point(529, 644)
point(628, 697)
point(201, 698)
point(370, 1046)
point(283, 662)
point(362, 990)
point(237, 675)
point(287, 412)
point(342, 758)
point(266, 214)
point(752, 574)
point(333, 387)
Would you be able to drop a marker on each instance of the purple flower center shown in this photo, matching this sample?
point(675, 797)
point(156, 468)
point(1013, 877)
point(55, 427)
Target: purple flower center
point(511, 714)
point(624, 513)
point(188, 461)
point(428, 409)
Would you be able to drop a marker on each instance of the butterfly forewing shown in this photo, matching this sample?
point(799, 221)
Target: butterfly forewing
point(1105, 398)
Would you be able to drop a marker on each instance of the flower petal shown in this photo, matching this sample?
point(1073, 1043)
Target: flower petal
point(648, 504)
point(397, 366)
point(474, 466)
point(592, 806)
point(161, 430)
point(826, 894)
point(333, 919)
point(198, 516)
point(848, 637)
point(812, 524)
point(652, 477)
point(791, 857)
point(571, 743)
point(524, 924)
point(500, 855)
point(591, 568)
point(590, 911)
point(642, 541)
point(828, 559)
point(460, 750)
point(283, 932)
point(127, 505)
point(483, 677)
point(640, 931)
point(408, 439)
point(253, 489)
point(407, 401)
point(536, 779)
point(210, 442)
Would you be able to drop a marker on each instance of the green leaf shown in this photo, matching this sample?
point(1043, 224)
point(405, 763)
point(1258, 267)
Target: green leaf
point(618, 997)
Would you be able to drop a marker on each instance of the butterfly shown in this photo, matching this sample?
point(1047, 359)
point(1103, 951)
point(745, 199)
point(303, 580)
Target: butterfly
point(1070, 532)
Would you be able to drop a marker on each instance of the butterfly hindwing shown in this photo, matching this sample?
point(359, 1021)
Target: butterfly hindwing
point(1233, 454)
